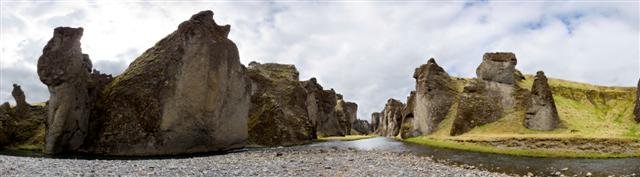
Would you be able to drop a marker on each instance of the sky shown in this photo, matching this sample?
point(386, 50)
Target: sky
point(365, 50)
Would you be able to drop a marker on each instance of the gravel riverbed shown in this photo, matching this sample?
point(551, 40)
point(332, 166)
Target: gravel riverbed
point(288, 161)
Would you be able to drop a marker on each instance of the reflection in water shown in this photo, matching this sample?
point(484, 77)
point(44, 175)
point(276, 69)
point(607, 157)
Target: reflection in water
point(499, 163)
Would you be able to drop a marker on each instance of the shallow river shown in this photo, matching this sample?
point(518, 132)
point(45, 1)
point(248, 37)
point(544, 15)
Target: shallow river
point(500, 163)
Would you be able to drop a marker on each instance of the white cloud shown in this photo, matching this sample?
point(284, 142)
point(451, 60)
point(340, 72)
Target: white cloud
point(367, 51)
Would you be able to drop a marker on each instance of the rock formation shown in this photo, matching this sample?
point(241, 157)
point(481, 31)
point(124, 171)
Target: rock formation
point(492, 95)
point(321, 106)
point(637, 109)
point(65, 70)
point(499, 67)
point(278, 114)
point(390, 118)
point(22, 125)
point(187, 94)
point(361, 127)
point(542, 113)
point(406, 128)
point(22, 107)
point(434, 97)
point(375, 121)
point(346, 113)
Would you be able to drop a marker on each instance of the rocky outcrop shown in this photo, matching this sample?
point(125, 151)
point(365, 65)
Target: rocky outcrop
point(346, 113)
point(65, 70)
point(361, 127)
point(187, 94)
point(321, 107)
point(22, 125)
point(390, 118)
point(499, 67)
point(278, 114)
point(636, 111)
point(406, 129)
point(375, 121)
point(21, 101)
point(435, 94)
point(542, 113)
point(477, 107)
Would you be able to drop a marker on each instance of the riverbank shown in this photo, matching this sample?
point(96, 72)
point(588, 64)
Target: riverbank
point(345, 138)
point(538, 146)
point(288, 161)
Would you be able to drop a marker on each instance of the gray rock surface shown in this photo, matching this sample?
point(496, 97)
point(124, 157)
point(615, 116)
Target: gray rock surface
point(406, 129)
point(65, 70)
point(187, 94)
point(499, 67)
point(542, 113)
point(361, 127)
point(390, 118)
point(278, 114)
point(321, 106)
point(435, 94)
point(375, 121)
point(346, 113)
point(479, 105)
point(22, 107)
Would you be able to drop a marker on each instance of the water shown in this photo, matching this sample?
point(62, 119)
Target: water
point(499, 163)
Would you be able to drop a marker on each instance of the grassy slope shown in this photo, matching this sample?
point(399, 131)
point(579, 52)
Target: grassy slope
point(586, 111)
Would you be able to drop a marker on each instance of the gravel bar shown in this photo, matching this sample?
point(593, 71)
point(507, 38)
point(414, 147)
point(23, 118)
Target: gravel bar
point(287, 161)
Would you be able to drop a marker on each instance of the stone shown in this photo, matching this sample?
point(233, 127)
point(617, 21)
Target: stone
point(390, 118)
point(188, 93)
point(434, 96)
point(636, 111)
point(65, 70)
point(22, 107)
point(278, 114)
point(542, 113)
point(321, 106)
point(499, 67)
point(361, 127)
point(406, 129)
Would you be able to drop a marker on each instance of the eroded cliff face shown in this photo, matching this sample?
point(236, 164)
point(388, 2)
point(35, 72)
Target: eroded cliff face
point(65, 70)
point(434, 96)
point(361, 127)
point(22, 125)
point(492, 95)
point(390, 118)
point(542, 113)
point(189, 93)
point(278, 114)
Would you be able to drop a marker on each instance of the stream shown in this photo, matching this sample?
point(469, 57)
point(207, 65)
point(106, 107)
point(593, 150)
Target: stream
point(497, 162)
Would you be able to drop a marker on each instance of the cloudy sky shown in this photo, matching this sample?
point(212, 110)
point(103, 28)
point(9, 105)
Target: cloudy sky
point(367, 51)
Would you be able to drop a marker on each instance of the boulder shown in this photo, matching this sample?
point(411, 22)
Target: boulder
point(321, 106)
point(361, 127)
point(65, 70)
point(278, 114)
point(187, 94)
point(434, 96)
point(390, 118)
point(499, 67)
point(542, 113)
point(637, 109)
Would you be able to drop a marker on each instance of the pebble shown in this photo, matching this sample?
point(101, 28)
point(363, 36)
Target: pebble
point(252, 162)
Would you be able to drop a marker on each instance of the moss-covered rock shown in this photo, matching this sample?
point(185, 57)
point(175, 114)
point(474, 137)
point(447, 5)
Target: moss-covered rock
point(321, 107)
point(636, 111)
point(278, 114)
point(542, 113)
point(390, 118)
point(23, 126)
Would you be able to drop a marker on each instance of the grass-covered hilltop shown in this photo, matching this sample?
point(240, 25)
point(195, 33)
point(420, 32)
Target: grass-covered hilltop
point(503, 111)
